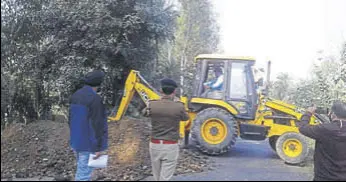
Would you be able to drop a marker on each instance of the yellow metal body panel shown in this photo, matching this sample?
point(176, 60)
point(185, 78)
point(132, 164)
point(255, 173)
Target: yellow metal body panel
point(186, 102)
point(219, 103)
point(189, 122)
point(186, 125)
point(265, 109)
point(220, 56)
point(145, 93)
point(283, 107)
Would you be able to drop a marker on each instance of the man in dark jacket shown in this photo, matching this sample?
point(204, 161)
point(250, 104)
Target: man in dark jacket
point(88, 124)
point(330, 147)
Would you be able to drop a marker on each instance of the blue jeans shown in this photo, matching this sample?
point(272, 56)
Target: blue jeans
point(83, 172)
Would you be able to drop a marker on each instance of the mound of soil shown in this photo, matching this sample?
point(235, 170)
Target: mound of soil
point(38, 149)
point(41, 149)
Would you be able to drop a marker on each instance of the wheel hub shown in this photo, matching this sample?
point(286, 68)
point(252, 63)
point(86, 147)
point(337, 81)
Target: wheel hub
point(292, 147)
point(214, 131)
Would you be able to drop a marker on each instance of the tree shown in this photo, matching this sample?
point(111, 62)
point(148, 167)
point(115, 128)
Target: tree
point(281, 87)
point(326, 85)
point(196, 33)
point(48, 45)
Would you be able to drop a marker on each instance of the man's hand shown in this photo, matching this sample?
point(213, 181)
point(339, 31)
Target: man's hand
point(206, 86)
point(97, 155)
point(176, 99)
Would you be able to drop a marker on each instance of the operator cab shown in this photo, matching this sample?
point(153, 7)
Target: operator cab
point(230, 79)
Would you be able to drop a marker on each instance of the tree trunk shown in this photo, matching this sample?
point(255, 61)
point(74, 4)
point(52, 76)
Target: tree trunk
point(115, 87)
point(182, 74)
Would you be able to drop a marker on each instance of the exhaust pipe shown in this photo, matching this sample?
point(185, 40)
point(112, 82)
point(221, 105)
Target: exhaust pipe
point(268, 71)
point(268, 78)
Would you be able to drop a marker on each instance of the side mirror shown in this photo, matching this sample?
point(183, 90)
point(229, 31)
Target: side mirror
point(264, 92)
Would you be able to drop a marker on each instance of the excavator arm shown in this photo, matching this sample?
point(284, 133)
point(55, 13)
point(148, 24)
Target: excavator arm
point(134, 83)
point(293, 110)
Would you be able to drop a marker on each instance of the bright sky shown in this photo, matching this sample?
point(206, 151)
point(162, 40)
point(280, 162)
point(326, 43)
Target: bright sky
point(288, 32)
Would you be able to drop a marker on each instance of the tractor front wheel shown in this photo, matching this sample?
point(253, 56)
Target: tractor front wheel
point(292, 148)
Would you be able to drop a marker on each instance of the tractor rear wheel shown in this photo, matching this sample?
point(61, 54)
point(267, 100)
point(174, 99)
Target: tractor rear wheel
point(292, 148)
point(214, 131)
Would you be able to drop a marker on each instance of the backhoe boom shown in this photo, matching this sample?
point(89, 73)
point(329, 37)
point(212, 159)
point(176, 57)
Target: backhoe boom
point(134, 83)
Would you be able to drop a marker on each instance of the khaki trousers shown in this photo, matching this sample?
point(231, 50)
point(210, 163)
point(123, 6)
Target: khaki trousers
point(164, 159)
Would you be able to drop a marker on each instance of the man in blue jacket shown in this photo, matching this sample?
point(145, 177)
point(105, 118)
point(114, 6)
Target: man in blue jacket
point(217, 83)
point(213, 89)
point(88, 124)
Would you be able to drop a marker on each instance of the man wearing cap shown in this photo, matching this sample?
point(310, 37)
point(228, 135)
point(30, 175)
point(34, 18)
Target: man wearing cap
point(88, 124)
point(215, 86)
point(165, 115)
point(330, 146)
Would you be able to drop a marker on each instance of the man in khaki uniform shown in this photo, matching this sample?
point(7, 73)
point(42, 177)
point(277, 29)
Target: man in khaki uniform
point(165, 115)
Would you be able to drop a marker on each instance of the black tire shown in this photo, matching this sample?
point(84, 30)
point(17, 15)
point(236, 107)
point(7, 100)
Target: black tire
point(227, 143)
point(272, 142)
point(291, 136)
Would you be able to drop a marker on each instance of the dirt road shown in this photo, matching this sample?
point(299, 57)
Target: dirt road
point(36, 150)
point(251, 161)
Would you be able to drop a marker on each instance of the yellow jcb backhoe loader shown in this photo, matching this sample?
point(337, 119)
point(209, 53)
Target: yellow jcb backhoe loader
point(238, 109)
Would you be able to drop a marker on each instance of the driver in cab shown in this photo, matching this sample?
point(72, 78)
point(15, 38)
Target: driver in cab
point(217, 83)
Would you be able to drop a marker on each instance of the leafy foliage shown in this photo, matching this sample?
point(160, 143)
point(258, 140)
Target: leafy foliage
point(327, 84)
point(279, 87)
point(196, 33)
point(46, 46)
